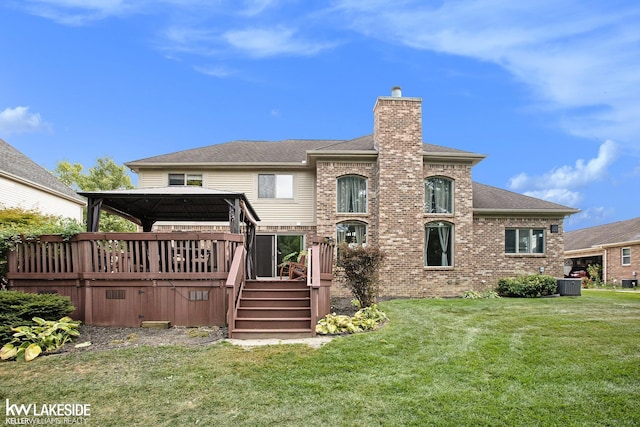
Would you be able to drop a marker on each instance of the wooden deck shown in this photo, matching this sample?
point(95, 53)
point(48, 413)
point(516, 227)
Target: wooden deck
point(123, 279)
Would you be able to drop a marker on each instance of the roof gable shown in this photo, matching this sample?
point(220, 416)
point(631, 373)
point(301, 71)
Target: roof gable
point(16, 165)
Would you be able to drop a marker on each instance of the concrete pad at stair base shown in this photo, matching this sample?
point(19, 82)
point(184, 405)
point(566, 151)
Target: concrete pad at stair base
point(315, 342)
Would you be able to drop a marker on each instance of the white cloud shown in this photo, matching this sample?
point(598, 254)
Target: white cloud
point(598, 214)
point(559, 184)
point(580, 174)
point(558, 195)
point(266, 42)
point(19, 120)
point(581, 58)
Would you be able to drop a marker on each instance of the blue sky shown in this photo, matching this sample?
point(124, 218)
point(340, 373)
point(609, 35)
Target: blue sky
point(548, 90)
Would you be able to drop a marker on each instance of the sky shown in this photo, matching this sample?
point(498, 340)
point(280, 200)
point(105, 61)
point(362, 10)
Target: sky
point(549, 90)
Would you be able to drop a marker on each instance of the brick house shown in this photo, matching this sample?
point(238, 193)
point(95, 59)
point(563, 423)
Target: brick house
point(442, 233)
point(614, 246)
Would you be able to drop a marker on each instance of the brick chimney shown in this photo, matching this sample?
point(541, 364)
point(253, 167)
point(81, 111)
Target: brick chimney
point(398, 138)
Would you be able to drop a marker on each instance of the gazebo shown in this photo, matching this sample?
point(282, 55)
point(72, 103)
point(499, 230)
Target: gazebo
point(146, 206)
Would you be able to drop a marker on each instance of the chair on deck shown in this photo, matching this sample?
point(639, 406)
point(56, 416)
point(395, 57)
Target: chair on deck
point(297, 269)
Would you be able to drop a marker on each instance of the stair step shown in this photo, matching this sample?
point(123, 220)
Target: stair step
point(276, 284)
point(274, 302)
point(283, 334)
point(273, 323)
point(275, 293)
point(273, 312)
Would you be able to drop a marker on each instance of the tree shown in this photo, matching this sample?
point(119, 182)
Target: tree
point(105, 175)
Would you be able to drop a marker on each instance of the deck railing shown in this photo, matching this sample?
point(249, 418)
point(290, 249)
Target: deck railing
point(125, 256)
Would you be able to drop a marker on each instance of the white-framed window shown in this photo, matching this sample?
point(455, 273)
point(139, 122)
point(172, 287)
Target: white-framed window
point(182, 179)
point(438, 244)
point(352, 194)
point(626, 256)
point(354, 233)
point(438, 195)
point(524, 241)
point(275, 186)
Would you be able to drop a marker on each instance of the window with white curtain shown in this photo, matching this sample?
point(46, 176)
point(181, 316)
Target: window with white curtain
point(438, 244)
point(353, 233)
point(352, 194)
point(524, 241)
point(275, 186)
point(438, 195)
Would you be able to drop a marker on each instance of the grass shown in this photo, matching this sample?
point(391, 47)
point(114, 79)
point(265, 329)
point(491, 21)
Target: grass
point(569, 361)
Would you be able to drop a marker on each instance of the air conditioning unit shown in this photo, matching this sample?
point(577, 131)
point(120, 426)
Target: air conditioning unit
point(629, 283)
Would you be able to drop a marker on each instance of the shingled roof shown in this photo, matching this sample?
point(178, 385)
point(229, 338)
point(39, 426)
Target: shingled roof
point(615, 232)
point(16, 166)
point(486, 199)
point(493, 200)
point(289, 151)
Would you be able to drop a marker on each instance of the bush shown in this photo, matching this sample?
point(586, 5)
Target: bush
point(471, 294)
point(19, 308)
point(45, 335)
point(366, 319)
point(529, 286)
point(360, 267)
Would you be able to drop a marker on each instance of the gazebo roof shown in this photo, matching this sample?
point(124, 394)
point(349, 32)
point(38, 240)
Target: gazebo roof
point(145, 206)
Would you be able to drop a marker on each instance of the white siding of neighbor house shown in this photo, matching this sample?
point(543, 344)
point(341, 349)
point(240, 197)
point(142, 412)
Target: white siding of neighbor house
point(14, 194)
point(297, 211)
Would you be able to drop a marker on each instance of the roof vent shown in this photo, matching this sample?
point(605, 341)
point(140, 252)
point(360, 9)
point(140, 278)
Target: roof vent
point(396, 92)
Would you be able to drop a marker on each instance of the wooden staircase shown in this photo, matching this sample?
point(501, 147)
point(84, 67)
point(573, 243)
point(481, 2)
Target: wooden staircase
point(273, 309)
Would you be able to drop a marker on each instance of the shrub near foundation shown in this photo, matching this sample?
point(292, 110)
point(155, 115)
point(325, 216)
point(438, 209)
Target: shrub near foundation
point(19, 308)
point(527, 286)
point(359, 265)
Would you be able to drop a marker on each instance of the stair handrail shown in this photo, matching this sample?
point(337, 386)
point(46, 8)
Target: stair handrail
point(319, 276)
point(235, 284)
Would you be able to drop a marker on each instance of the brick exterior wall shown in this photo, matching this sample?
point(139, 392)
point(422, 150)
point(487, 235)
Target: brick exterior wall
point(490, 262)
point(396, 219)
point(397, 132)
point(615, 271)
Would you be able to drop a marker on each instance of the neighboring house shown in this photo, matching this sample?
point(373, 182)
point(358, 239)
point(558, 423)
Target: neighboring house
point(615, 246)
point(441, 232)
point(24, 184)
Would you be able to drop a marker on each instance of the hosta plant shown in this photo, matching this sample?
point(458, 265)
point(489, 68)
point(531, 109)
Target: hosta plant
point(46, 335)
point(365, 319)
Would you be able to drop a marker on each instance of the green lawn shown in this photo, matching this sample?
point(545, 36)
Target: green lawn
point(568, 361)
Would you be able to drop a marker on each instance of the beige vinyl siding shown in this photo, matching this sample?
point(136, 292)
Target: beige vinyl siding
point(151, 179)
point(14, 194)
point(297, 211)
